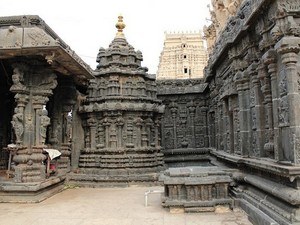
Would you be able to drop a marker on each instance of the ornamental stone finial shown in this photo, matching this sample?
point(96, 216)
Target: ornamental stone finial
point(120, 25)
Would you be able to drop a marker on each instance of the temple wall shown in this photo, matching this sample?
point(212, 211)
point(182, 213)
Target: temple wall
point(184, 123)
point(253, 77)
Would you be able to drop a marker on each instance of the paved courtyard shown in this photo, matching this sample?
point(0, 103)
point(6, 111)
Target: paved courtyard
point(109, 206)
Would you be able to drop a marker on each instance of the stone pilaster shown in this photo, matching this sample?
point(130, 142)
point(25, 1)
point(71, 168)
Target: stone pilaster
point(272, 145)
point(174, 110)
point(258, 118)
point(289, 102)
point(242, 84)
point(92, 127)
point(192, 110)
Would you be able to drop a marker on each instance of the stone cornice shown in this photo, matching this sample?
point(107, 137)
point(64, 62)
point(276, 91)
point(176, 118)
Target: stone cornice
point(171, 86)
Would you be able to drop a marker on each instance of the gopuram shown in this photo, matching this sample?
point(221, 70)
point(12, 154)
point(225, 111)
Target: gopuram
point(121, 119)
point(230, 138)
point(183, 56)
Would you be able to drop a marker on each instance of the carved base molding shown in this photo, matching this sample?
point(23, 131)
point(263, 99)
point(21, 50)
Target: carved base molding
point(266, 190)
point(115, 178)
point(186, 157)
point(31, 192)
point(261, 208)
point(29, 165)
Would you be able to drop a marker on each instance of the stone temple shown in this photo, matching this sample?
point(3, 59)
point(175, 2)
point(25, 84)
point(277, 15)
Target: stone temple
point(231, 138)
point(120, 118)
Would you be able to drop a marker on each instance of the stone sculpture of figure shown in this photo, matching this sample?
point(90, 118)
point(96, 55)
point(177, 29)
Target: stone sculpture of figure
point(17, 79)
point(45, 122)
point(17, 123)
point(232, 6)
point(49, 84)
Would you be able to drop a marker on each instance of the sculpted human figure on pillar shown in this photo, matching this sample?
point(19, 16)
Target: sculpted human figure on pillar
point(17, 123)
point(49, 84)
point(45, 122)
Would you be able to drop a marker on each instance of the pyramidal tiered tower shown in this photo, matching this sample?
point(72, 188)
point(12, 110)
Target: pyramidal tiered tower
point(121, 118)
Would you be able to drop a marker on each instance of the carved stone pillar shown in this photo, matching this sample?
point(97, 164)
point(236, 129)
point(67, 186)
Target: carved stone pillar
point(220, 144)
point(144, 134)
point(92, 126)
point(113, 136)
point(120, 124)
point(106, 123)
point(173, 108)
point(101, 135)
point(129, 131)
point(148, 127)
point(226, 130)
point(139, 125)
point(31, 120)
point(272, 145)
point(192, 109)
point(242, 84)
point(289, 114)
point(156, 133)
point(258, 126)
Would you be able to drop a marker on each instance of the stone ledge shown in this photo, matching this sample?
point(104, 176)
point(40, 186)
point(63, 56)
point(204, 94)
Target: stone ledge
point(265, 164)
point(192, 204)
point(181, 151)
point(285, 193)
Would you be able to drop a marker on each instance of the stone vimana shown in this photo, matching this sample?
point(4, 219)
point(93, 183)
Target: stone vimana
point(231, 138)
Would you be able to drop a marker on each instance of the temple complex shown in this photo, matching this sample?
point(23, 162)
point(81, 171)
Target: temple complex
point(184, 56)
point(229, 139)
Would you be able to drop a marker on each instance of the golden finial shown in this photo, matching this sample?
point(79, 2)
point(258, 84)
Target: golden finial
point(120, 25)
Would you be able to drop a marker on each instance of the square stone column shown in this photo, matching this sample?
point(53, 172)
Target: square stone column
point(289, 102)
point(242, 84)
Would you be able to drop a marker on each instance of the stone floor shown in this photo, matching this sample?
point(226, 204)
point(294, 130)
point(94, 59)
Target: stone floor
point(109, 206)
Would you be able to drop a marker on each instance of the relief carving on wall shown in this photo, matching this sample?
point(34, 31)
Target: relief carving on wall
point(283, 112)
point(38, 38)
point(282, 83)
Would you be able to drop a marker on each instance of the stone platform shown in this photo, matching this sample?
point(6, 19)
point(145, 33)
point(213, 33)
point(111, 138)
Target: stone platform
point(195, 189)
point(31, 192)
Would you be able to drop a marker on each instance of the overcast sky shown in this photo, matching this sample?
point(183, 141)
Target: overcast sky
point(87, 25)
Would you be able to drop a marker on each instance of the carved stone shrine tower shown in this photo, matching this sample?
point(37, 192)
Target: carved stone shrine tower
point(121, 119)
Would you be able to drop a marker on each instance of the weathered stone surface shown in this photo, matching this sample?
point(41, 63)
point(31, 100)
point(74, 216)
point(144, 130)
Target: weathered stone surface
point(39, 77)
point(184, 135)
point(196, 189)
point(253, 79)
point(121, 119)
